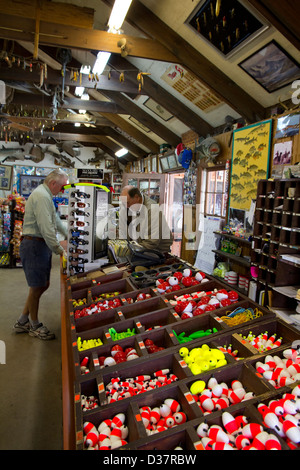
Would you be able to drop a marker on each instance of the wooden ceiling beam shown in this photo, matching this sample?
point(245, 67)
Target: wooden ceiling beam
point(131, 130)
point(54, 77)
point(124, 142)
point(62, 13)
point(163, 98)
point(284, 16)
point(94, 140)
point(42, 101)
point(51, 34)
point(143, 117)
point(226, 89)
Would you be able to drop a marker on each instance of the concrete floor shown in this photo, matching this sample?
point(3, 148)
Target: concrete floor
point(30, 379)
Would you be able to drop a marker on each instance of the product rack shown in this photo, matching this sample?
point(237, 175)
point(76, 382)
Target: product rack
point(145, 314)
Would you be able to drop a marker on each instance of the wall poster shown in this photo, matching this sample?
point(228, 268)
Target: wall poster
point(249, 163)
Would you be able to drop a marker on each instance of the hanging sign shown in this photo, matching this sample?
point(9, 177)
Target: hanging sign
point(90, 173)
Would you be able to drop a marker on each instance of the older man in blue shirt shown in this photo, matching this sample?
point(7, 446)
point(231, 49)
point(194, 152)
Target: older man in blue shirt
point(40, 227)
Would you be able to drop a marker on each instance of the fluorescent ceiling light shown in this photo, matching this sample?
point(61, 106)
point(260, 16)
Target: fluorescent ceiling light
point(121, 152)
point(118, 14)
point(116, 19)
point(79, 90)
point(85, 69)
point(101, 61)
point(77, 124)
point(82, 111)
point(85, 96)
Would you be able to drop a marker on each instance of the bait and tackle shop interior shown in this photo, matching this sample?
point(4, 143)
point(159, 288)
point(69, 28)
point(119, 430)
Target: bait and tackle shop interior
point(195, 106)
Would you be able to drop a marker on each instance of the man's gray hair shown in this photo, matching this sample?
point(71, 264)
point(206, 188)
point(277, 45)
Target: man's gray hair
point(56, 175)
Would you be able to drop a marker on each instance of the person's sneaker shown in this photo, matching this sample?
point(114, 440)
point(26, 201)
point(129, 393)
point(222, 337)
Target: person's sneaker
point(41, 332)
point(22, 328)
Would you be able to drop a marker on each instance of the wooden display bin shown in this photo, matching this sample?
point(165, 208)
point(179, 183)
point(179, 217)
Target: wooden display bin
point(245, 409)
point(237, 371)
point(158, 318)
point(132, 410)
point(144, 366)
point(204, 322)
point(273, 326)
point(140, 308)
point(133, 295)
point(105, 351)
point(266, 314)
point(251, 362)
point(174, 439)
point(93, 278)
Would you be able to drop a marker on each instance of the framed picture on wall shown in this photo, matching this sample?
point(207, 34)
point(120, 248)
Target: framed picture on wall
point(272, 67)
point(28, 183)
point(249, 163)
point(5, 177)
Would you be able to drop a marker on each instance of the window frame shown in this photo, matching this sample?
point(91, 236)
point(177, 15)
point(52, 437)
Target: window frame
point(215, 169)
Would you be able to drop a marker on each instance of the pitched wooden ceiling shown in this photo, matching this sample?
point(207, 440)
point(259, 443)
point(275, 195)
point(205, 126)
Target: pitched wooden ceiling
point(209, 92)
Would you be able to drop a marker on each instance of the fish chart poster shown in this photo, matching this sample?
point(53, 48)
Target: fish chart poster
point(249, 163)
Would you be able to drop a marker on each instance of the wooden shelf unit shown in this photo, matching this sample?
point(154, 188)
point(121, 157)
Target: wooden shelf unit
point(276, 232)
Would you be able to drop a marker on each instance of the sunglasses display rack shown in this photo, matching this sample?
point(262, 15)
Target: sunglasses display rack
point(81, 229)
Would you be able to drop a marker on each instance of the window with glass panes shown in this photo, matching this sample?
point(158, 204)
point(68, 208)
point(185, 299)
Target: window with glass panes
point(215, 196)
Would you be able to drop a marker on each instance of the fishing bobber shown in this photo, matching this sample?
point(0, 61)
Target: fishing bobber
point(222, 403)
point(296, 391)
point(236, 384)
point(285, 381)
point(216, 434)
point(164, 410)
point(170, 421)
point(202, 429)
point(250, 430)
point(145, 415)
point(292, 431)
point(118, 420)
point(293, 369)
point(290, 407)
point(115, 444)
point(272, 443)
point(290, 353)
point(221, 446)
point(155, 415)
point(103, 424)
point(214, 302)
point(241, 441)
point(229, 423)
point(206, 403)
point(87, 427)
point(162, 287)
point(124, 431)
point(276, 407)
point(180, 417)
point(207, 443)
point(260, 440)
point(199, 276)
point(261, 368)
point(92, 438)
point(116, 433)
point(271, 420)
point(109, 361)
point(105, 444)
point(217, 391)
point(187, 272)
point(178, 274)
point(161, 372)
point(115, 349)
point(104, 434)
point(173, 280)
point(173, 405)
point(236, 395)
